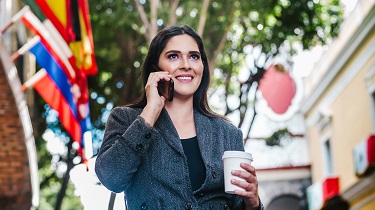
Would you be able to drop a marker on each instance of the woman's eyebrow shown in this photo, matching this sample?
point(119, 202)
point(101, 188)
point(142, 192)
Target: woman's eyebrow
point(194, 52)
point(177, 51)
point(172, 51)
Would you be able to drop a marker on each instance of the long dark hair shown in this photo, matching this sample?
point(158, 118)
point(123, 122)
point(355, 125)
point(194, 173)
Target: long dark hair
point(157, 45)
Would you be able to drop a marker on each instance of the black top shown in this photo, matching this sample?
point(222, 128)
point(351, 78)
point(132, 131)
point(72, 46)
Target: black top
point(197, 170)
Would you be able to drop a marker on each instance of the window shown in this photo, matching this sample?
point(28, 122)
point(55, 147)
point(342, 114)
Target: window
point(327, 152)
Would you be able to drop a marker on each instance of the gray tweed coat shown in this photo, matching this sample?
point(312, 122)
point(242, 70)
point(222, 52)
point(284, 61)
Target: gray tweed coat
point(149, 164)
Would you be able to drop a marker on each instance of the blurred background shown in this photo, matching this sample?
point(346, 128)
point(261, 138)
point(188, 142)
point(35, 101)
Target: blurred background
point(297, 76)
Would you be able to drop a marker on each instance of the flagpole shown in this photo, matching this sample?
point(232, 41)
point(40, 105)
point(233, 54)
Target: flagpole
point(25, 48)
point(34, 79)
point(37, 27)
point(14, 19)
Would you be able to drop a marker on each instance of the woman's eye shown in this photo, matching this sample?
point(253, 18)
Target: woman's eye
point(173, 56)
point(195, 56)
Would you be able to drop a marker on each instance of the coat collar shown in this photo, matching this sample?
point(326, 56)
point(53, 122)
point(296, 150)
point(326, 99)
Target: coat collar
point(203, 127)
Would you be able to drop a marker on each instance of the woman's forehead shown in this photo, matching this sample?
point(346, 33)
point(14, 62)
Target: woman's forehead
point(182, 42)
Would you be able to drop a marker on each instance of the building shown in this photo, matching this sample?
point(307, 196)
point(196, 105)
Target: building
point(18, 161)
point(284, 188)
point(339, 107)
point(283, 171)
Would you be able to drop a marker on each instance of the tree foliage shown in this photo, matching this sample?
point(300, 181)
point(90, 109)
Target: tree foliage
point(51, 165)
point(232, 31)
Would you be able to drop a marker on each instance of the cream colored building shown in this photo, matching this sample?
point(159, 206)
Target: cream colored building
point(339, 107)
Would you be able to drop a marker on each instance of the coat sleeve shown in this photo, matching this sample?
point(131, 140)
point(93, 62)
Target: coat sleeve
point(126, 140)
point(238, 140)
point(243, 207)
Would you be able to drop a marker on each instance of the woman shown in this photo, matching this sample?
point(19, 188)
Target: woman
point(167, 155)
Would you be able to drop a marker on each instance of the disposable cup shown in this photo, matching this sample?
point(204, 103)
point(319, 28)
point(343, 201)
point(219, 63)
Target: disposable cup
point(232, 161)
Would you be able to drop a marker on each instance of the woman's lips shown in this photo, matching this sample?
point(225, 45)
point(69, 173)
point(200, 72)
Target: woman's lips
point(184, 78)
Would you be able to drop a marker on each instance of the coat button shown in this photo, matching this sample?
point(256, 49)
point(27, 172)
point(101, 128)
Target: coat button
point(200, 195)
point(188, 206)
point(148, 135)
point(213, 174)
point(144, 206)
point(226, 207)
point(139, 147)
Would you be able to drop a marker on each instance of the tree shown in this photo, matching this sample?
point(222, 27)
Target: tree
point(233, 31)
point(54, 185)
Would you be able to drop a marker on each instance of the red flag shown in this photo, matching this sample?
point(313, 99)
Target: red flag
point(58, 11)
point(53, 86)
point(57, 91)
point(59, 49)
point(72, 20)
point(52, 95)
point(83, 45)
point(62, 57)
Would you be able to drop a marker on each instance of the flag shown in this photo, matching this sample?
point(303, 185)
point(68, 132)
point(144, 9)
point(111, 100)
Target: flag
point(58, 49)
point(83, 112)
point(72, 19)
point(58, 11)
point(51, 93)
point(55, 34)
point(55, 56)
point(59, 95)
point(53, 86)
point(83, 44)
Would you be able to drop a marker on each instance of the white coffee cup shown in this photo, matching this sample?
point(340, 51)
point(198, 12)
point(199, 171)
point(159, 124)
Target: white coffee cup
point(232, 161)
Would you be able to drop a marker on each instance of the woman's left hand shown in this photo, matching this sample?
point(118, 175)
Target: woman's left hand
point(250, 185)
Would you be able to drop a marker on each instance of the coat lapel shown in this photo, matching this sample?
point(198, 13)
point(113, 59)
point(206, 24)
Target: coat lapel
point(166, 128)
point(204, 134)
point(203, 128)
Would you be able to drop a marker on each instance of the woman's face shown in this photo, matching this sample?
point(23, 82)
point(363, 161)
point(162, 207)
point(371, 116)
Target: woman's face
point(181, 59)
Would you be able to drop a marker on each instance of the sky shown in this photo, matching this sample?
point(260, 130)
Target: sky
point(96, 196)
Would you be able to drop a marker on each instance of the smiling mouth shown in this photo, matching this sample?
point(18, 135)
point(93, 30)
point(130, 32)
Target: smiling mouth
point(184, 78)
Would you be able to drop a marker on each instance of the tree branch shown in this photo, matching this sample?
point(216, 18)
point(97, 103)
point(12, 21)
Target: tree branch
point(144, 19)
point(220, 46)
point(203, 17)
point(172, 17)
point(46, 180)
point(252, 119)
point(154, 14)
point(226, 84)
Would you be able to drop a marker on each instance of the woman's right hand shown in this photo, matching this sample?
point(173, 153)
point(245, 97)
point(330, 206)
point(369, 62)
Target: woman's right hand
point(155, 102)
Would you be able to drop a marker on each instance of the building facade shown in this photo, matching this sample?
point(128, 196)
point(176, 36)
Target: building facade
point(19, 184)
point(284, 188)
point(339, 107)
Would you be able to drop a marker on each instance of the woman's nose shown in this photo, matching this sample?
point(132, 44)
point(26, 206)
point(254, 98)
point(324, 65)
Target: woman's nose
point(185, 64)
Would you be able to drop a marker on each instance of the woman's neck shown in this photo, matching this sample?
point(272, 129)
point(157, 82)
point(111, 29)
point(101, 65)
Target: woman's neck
point(180, 110)
point(182, 116)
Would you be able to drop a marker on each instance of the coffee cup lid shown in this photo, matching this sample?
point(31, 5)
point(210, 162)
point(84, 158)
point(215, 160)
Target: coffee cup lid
point(238, 154)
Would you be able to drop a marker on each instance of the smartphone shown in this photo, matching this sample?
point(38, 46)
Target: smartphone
point(166, 89)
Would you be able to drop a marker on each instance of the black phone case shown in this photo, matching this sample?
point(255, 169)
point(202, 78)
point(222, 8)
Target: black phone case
point(166, 89)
